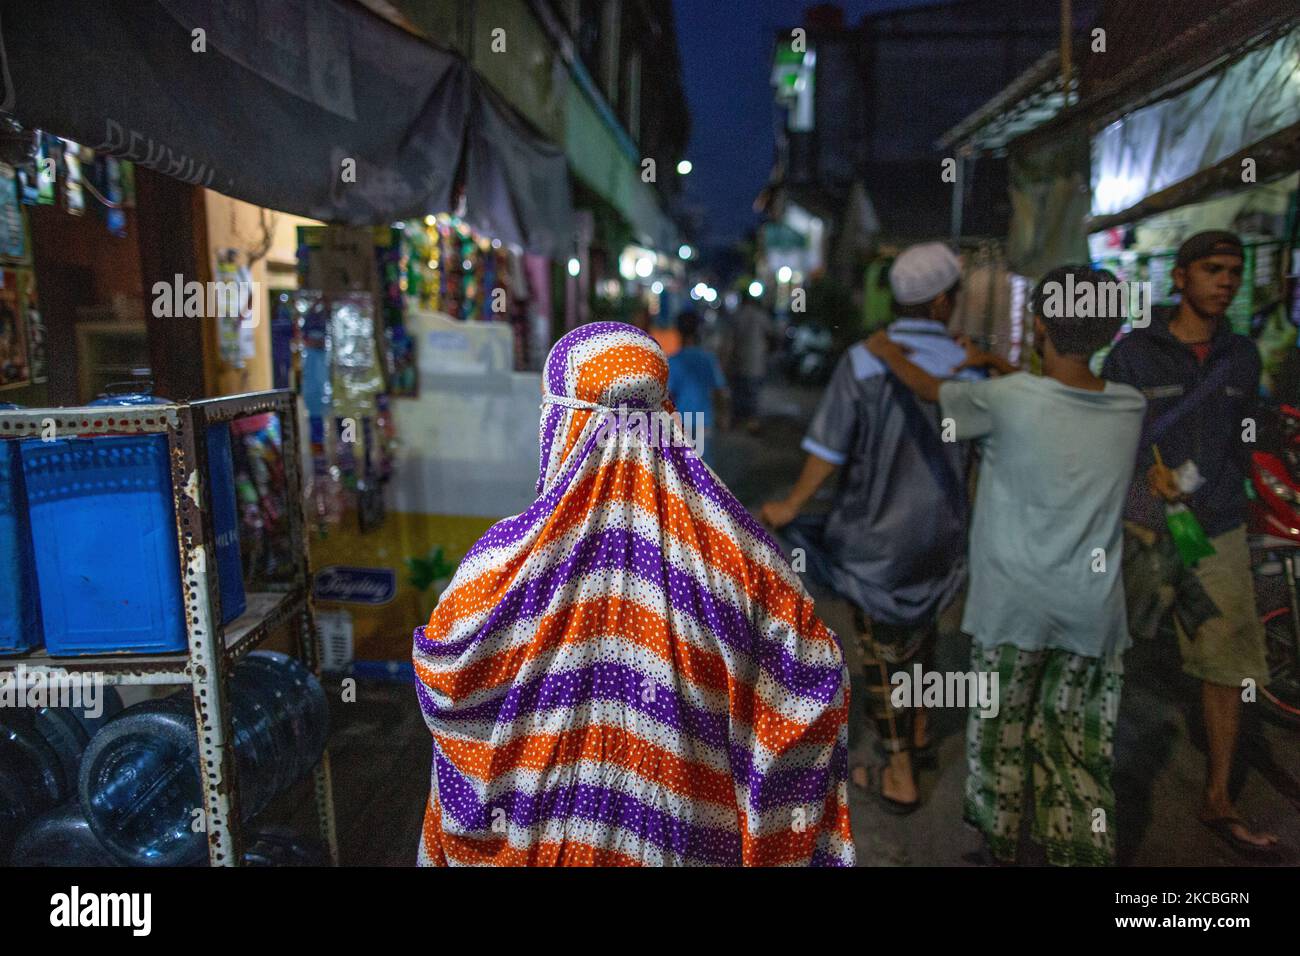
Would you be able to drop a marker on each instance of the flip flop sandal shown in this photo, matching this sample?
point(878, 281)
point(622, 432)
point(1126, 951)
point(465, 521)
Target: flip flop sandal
point(896, 807)
point(1222, 828)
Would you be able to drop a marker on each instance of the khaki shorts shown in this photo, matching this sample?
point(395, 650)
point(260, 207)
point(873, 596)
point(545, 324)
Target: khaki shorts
point(1222, 648)
point(1230, 648)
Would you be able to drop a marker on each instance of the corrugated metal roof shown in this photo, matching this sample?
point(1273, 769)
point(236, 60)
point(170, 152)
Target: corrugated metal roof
point(1145, 58)
point(1027, 102)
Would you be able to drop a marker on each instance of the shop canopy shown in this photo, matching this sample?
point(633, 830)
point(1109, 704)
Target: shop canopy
point(320, 109)
point(1198, 91)
point(612, 171)
point(1220, 120)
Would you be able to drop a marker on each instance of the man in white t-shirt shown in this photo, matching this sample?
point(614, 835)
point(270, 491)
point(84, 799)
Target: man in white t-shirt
point(1045, 609)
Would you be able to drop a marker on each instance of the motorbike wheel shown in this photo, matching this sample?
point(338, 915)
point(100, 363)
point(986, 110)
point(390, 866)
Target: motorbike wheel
point(1281, 698)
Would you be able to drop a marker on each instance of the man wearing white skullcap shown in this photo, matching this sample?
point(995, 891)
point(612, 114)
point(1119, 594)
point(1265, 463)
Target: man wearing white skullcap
point(894, 541)
point(922, 274)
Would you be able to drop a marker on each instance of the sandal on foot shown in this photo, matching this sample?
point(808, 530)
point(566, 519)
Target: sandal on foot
point(1222, 828)
point(896, 807)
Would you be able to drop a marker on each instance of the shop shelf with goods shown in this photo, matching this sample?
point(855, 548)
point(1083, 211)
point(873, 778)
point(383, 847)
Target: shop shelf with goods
point(212, 648)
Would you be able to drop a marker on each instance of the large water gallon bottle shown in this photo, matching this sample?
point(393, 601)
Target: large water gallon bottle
point(140, 782)
point(303, 706)
point(31, 777)
point(61, 837)
point(68, 729)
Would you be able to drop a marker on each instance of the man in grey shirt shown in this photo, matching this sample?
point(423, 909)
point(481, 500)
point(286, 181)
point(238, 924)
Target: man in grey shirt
point(894, 542)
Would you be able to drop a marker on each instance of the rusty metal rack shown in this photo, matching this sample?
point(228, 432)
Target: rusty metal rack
point(213, 648)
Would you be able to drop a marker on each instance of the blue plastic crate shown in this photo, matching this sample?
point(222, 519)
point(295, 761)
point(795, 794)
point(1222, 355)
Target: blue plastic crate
point(20, 623)
point(225, 512)
point(104, 538)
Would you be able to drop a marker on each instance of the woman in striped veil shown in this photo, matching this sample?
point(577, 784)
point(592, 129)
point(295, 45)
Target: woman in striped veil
point(629, 672)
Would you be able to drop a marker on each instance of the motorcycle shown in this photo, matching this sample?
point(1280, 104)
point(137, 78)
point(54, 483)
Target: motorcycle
point(809, 353)
point(1274, 534)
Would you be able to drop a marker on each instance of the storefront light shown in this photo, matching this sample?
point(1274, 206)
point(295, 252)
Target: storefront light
point(645, 266)
point(710, 294)
point(756, 288)
point(784, 274)
point(684, 167)
point(575, 266)
point(685, 251)
point(657, 288)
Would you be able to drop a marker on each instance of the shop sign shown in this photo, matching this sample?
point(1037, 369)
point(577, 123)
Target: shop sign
point(346, 585)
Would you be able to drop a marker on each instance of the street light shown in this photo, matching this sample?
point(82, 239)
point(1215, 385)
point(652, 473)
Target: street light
point(684, 167)
point(645, 266)
point(784, 273)
point(657, 288)
point(574, 266)
point(684, 251)
point(756, 289)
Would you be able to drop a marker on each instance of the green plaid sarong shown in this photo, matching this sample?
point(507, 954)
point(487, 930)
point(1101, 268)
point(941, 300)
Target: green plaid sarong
point(1054, 733)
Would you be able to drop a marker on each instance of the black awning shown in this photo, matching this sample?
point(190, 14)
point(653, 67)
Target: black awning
point(316, 108)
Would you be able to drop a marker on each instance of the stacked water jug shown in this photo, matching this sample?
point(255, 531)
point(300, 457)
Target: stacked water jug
point(138, 785)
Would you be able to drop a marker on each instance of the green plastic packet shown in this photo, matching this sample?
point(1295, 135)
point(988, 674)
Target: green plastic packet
point(1189, 537)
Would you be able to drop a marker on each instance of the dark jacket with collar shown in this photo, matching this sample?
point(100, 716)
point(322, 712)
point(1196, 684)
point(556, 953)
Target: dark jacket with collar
point(1166, 370)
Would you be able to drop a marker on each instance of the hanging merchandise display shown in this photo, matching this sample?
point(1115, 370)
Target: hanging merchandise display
point(348, 345)
point(265, 543)
point(47, 170)
point(231, 279)
point(454, 270)
point(15, 368)
point(399, 346)
point(74, 195)
point(13, 238)
point(358, 384)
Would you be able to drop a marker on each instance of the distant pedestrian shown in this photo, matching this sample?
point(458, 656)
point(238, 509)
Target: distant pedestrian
point(696, 384)
point(1045, 608)
point(753, 333)
point(894, 542)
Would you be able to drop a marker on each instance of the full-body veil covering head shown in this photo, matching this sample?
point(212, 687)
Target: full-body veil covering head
point(629, 672)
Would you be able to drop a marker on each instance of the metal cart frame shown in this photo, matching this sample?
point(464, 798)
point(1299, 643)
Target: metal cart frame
point(213, 648)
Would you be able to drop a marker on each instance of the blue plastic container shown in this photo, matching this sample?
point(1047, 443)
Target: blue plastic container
point(20, 624)
point(104, 537)
point(225, 512)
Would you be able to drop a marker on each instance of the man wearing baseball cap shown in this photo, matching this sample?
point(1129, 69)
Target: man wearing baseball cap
point(894, 541)
point(1200, 380)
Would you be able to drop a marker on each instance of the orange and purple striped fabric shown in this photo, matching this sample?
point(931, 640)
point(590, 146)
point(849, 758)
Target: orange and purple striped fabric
point(629, 672)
